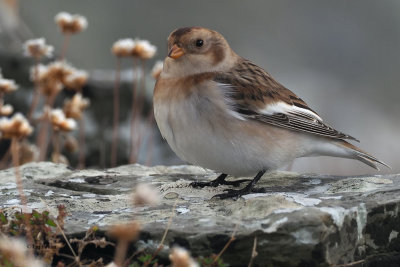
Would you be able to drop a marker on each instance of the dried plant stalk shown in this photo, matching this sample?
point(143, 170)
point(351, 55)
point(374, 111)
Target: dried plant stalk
point(82, 155)
point(114, 147)
point(135, 86)
point(36, 92)
point(15, 159)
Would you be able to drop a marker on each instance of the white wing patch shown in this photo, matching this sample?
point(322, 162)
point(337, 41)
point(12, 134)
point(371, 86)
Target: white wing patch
point(284, 108)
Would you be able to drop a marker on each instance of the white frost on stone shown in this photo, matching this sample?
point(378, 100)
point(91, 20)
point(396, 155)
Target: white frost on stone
point(274, 226)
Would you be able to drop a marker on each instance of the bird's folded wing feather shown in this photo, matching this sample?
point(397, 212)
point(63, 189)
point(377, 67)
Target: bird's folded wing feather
point(254, 94)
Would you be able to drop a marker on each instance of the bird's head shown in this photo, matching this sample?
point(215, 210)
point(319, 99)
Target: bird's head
point(194, 50)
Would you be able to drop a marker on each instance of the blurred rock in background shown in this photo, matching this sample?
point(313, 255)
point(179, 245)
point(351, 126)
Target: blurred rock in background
point(341, 57)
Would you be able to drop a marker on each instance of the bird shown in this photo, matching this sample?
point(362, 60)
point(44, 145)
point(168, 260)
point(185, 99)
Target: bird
point(222, 112)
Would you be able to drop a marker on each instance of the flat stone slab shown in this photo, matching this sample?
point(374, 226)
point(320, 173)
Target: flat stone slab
point(300, 220)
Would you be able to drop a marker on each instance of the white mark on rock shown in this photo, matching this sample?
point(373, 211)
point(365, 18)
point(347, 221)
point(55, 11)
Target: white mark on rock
point(304, 236)
point(96, 220)
point(286, 210)
point(303, 199)
point(274, 226)
point(12, 201)
point(313, 182)
point(182, 210)
point(393, 235)
point(49, 193)
point(77, 180)
point(89, 195)
point(332, 197)
point(337, 214)
point(8, 185)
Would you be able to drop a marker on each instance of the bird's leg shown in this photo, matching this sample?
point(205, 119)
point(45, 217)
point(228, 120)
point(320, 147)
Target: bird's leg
point(247, 190)
point(219, 181)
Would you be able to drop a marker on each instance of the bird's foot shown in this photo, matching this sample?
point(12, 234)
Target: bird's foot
point(216, 183)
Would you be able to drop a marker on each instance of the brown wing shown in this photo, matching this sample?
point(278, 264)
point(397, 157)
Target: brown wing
point(254, 92)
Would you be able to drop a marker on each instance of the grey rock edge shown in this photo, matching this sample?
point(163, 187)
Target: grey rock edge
point(303, 219)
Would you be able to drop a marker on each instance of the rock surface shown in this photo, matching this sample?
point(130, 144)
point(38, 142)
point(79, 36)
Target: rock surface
point(301, 220)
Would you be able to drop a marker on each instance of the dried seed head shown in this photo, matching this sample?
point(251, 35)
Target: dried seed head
point(180, 257)
point(123, 47)
point(60, 122)
point(7, 86)
point(76, 80)
point(74, 107)
point(15, 127)
point(143, 49)
point(144, 195)
point(52, 77)
point(37, 48)
point(6, 110)
point(69, 23)
point(127, 232)
point(156, 71)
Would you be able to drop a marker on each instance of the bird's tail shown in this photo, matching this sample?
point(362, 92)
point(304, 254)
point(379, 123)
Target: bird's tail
point(356, 153)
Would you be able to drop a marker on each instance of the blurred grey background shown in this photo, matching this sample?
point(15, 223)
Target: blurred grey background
point(342, 57)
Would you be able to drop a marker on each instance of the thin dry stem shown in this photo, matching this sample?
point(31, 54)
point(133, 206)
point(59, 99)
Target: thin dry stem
point(76, 258)
point(56, 145)
point(15, 159)
point(82, 159)
point(140, 102)
point(160, 247)
point(65, 45)
point(42, 140)
point(135, 85)
point(226, 245)
point(253, 252)
point(114, 147)
point(36, 93)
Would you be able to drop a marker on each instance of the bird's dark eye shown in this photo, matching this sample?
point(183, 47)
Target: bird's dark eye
point(199, 43)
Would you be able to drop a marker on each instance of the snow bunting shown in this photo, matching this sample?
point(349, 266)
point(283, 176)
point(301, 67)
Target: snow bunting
point(222, 112)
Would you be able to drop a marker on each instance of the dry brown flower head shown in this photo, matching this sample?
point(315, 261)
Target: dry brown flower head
point(60, 122)
point(7, 86)
point(6, 110)
point(15, 127)
point(143, 49)
point(127, 232)
point(52, 77)
point(70, 24)
point(123, 47)
point(37, 48)
point(144, 195)
point(74, 107)
point(76, 80)
point(180, 257)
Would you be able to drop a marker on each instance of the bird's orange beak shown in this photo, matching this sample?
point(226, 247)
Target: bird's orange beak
point(176, 52)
